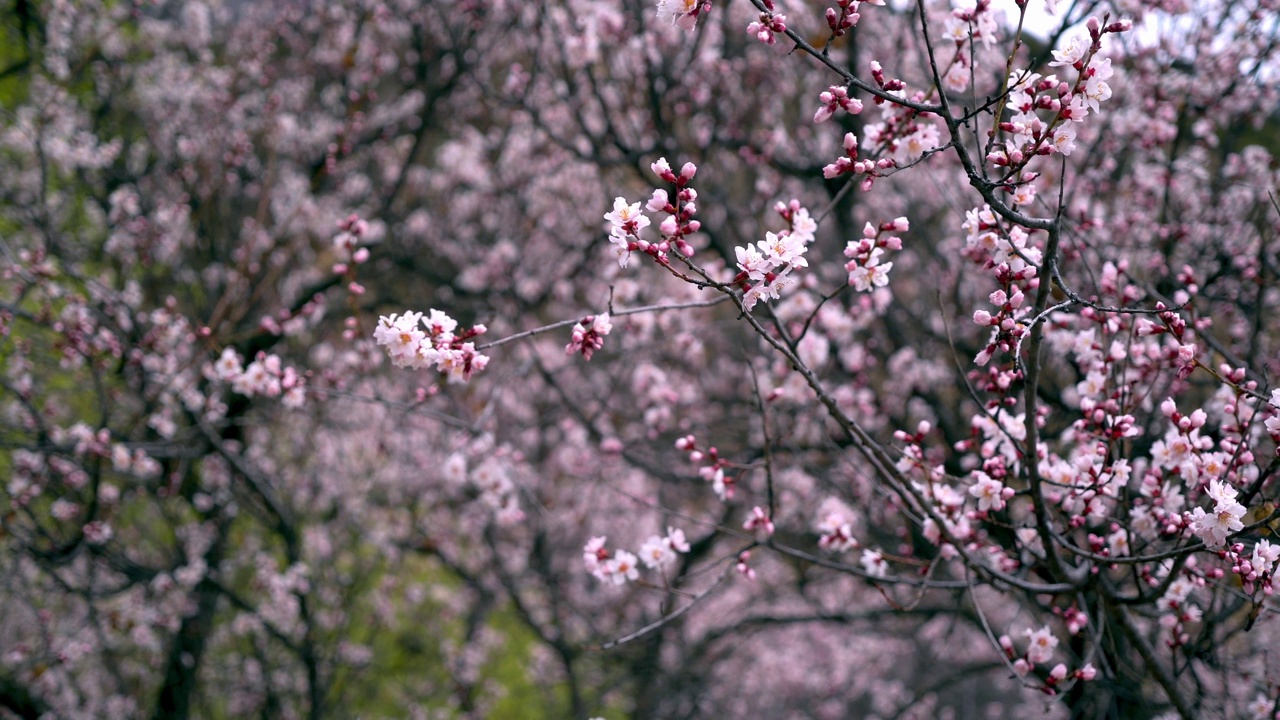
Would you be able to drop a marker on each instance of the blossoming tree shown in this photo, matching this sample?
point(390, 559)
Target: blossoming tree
point(655, 360)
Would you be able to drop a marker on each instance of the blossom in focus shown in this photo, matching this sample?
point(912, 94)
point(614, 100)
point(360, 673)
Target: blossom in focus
point(402, 336)
point(1073, 53)
point(626, 219)
point(588, 335)
point(872, 274)
point(991, 494)
point(414, 341)
point(765, 269)
point(767, 27)
point(1226, 517)
point(833, 99)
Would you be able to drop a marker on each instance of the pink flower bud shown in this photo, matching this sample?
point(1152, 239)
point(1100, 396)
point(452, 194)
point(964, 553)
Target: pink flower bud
point(658, 202)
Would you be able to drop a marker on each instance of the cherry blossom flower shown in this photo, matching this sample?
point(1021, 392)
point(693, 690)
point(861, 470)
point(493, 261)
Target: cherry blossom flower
point(676, 541)
point(594, 556)
point(228, 365)
point(871, 274)
point(626, 219)
point(874, 564)
point(1073, 53)
point(784, 250)
point(1213, 528)
point(402, 336)
point(1096, 90)
point(1042, 645)
point(991, 494)
point(766, 272)
point(622, 567)
point(759, 521)
point(409, 346)
point(835, 527)
point(656, 553)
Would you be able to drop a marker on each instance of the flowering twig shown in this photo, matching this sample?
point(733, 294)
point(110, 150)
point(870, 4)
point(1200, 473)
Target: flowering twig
point(618, 313)
point(675, 614)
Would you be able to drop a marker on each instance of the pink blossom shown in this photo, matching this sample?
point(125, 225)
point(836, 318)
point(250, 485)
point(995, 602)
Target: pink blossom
point(588, 335)
point(1042, 645)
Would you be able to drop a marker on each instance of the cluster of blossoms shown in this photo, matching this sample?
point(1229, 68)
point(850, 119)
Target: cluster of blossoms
point(835, 534)
point(621, 566)
point(1257, 570)
point(1172, 324)
point(266, 376)
point(952, 503)
point(835, 527)
point(765, 269)
point(969, 22)
point(588, 335)
point(865, 268)
point(990, 493)
point(768, 24)
point(902, 137)
point(713, 471)
point(1040, 649)
point(626, 221)
point(1069, 104)
point(904, 133)
point(849, 163)
point(414, 341)
point(346, 244)
point(1013, 261)
point(683, 14)
point(833, 99)
point(843, 19)
point(1213, 528)
point(977, 21)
